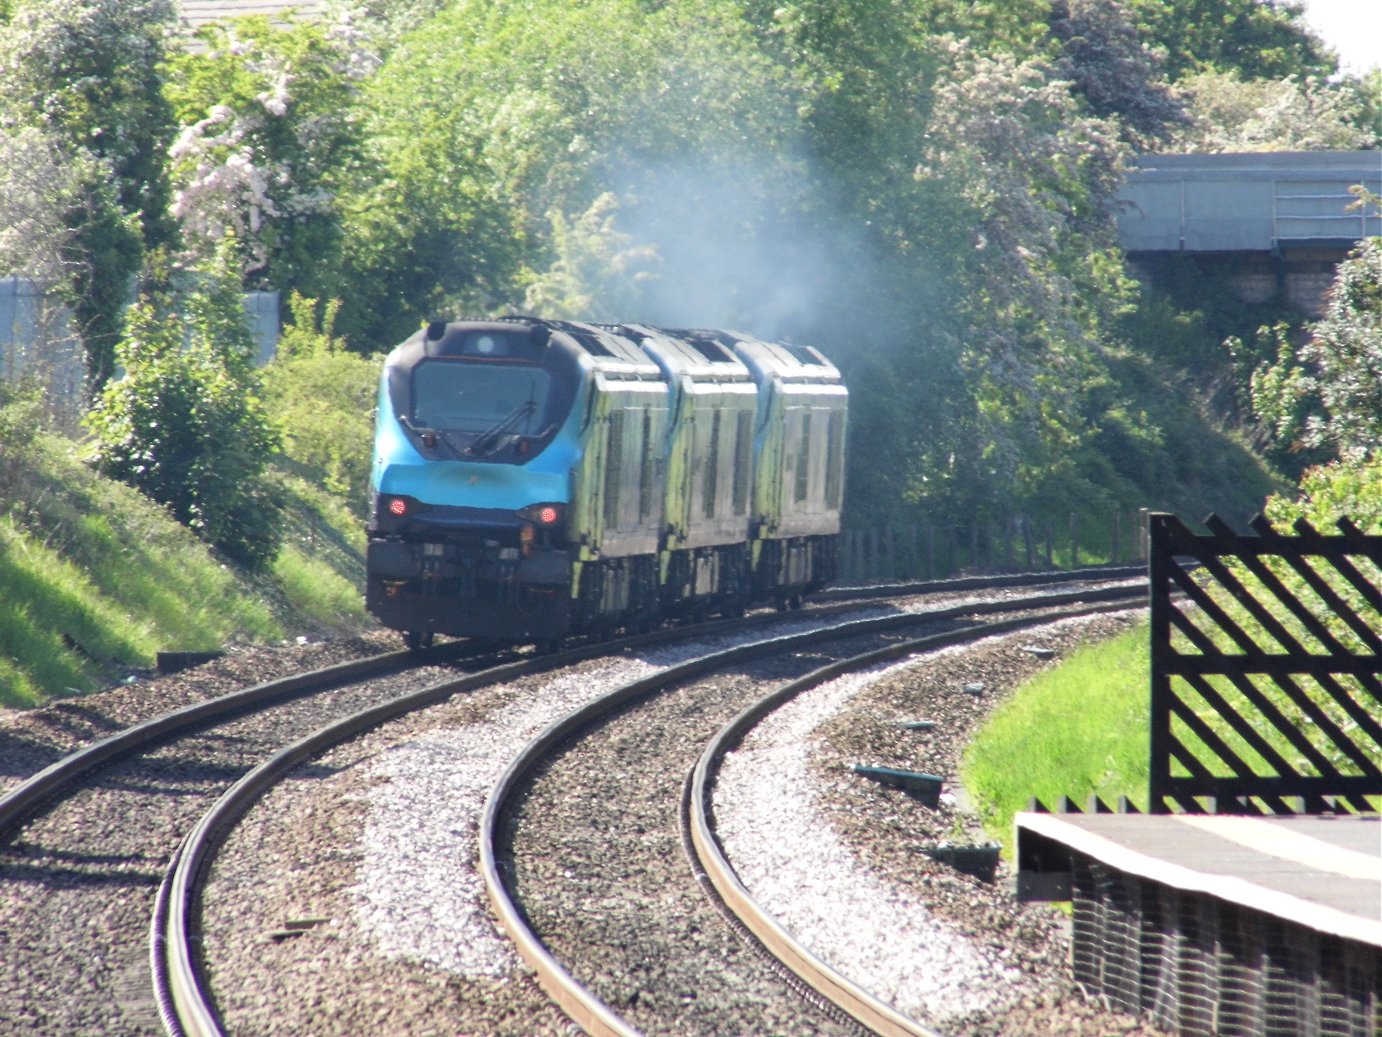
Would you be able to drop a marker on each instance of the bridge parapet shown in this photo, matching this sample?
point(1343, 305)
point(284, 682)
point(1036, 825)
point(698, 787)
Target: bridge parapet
point(1256, 202)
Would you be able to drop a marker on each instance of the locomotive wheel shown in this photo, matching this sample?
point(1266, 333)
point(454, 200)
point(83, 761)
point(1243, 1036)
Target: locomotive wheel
point(416, 639)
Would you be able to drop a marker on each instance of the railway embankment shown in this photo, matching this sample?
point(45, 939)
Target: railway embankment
point(98, 580)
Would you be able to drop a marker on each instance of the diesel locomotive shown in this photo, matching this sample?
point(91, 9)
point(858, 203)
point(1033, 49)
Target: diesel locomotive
point(534, 479)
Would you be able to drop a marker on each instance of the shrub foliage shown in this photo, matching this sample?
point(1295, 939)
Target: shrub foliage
point(185, 425)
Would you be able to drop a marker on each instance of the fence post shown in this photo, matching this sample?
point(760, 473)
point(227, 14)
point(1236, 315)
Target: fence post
point(1074, 541)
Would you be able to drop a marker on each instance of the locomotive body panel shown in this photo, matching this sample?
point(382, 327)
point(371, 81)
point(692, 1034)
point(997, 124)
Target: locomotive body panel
point(617, 506)
point(799, 443)
point(709, 448)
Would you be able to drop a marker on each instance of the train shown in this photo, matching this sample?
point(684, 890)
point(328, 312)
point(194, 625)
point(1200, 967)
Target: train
point(535, 480)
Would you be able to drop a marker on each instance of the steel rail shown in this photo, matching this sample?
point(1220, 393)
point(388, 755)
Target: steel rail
point(41, 788)
point(969, 583)
point(875, 1015)
point(577, 1001)
point(25, 799)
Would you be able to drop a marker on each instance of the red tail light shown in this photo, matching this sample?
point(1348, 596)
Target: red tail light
point(398, 506)
point(543, 514)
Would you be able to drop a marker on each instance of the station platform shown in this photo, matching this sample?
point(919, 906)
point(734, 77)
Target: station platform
point(1216, 924)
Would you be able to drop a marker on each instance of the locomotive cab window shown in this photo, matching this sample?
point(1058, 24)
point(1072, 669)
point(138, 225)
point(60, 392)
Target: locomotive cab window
point(477, 398)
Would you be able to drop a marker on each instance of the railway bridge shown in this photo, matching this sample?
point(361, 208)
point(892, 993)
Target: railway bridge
point(1276, 224)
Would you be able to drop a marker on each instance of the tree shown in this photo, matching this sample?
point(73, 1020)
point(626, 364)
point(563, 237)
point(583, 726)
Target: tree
point(185, 424)
point(323, 397)
point(1037, 180)
point(1328, 393)
point(1258, 39)
point(1229, 114)
point(1345, 352)
point(598, 272)
point(86, 72)
point(375, 26)
point(268, 138)
point(497, 115)
point(1114, 69)
point(38, 186)
point(1367, 88)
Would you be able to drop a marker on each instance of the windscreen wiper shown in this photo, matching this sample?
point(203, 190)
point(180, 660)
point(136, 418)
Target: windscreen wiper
point(481, 443)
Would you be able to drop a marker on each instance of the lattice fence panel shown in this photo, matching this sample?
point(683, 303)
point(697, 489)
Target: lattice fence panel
point(1266, 681)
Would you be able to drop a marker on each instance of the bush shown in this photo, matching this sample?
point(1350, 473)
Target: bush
point(185, 426)
point(323, 397)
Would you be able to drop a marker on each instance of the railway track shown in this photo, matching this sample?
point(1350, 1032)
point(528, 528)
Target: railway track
point(658, 729)
point(82, 846)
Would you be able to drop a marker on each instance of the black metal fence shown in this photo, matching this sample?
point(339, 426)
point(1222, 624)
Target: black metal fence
point(1266, 669)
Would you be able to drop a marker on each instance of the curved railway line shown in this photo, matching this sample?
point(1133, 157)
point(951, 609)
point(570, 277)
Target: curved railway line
point(59, 826)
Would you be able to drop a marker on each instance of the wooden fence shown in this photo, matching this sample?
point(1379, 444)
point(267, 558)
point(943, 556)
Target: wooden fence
point(1266, 669)
point(933, 552)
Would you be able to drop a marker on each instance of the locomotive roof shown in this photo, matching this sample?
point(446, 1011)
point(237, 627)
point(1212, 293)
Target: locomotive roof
point(783, 360)
point(530, 337)
point(699, 355)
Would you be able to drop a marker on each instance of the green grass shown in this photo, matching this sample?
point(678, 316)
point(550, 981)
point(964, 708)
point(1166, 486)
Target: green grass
point(95, 579)
point(1076, 730)
point(312, 590)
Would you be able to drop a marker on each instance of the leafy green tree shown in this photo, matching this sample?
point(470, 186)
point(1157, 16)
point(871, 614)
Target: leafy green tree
point(1337, 489)
point(597, 272)
point(1114, 70)
point(269, 136)
point(495, 116)
point(1328, 393)
point(39, 185)
point(1346, 355)
point(1037, 179)
point(86, 72)
point(375, 26)
point(1367, 88)
point(1258, 39)
point(1229, 114)
point(185, 425)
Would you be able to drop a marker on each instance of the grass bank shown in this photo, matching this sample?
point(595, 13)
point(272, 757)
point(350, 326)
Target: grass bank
point(95, 579)
point(1075, 730)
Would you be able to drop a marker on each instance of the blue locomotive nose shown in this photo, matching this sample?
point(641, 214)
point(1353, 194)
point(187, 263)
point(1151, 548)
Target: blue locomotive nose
point(464, 500)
